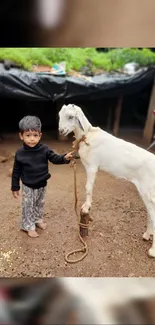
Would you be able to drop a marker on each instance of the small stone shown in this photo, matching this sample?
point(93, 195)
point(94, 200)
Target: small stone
point(3, 159)
point(131, 275)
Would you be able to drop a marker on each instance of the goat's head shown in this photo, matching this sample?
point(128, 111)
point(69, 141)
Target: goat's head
point(70, 118)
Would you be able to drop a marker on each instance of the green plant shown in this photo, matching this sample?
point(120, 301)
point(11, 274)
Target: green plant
point(76, 58)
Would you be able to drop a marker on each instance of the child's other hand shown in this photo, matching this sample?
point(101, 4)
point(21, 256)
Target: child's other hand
point(69, 155)
point(15, 194)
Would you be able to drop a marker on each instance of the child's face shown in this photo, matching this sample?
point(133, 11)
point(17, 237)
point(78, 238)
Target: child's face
point(30, 138)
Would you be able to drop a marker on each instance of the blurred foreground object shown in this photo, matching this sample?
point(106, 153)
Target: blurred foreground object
point(49, 13)
point(45, 301)
point(96, 23)
point(41, 302)
point(77, 23)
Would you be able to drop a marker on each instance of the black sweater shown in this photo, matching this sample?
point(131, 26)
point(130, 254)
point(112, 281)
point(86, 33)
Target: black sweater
point(31, 166)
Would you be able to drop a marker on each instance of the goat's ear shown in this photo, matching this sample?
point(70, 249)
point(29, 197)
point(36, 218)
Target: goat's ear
point(80, 124)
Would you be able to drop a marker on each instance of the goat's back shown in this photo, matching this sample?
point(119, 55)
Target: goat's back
point(117, 156)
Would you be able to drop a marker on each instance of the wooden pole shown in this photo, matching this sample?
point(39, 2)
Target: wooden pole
point(85, 218)
point(117, 116)
point(149, 124)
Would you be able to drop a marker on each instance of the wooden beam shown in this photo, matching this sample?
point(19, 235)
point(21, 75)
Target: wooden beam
point(117, 116)
point(149, 124)
point(109, 118)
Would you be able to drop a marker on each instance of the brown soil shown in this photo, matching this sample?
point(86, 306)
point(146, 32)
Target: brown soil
point(115, 240)
point(44, 68)
point(41, 68)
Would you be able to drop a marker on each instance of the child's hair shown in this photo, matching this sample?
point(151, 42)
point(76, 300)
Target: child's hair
point(29, 122)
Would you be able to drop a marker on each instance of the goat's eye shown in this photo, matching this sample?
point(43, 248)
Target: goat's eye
point(70, 117)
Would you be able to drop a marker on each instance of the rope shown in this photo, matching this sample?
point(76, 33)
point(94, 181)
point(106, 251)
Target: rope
point(84, 250)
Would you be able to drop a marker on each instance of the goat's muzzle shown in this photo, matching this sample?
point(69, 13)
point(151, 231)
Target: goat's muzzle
point(61, 131)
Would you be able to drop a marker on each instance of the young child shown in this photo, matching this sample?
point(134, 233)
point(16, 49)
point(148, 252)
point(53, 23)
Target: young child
point(31, 166)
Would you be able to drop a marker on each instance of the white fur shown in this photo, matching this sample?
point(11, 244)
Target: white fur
point(116, 156)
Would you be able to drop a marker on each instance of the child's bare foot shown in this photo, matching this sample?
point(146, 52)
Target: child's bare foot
point(32, 234)
point(41, 225)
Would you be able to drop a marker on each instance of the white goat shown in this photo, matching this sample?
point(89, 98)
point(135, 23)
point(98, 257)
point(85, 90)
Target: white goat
point(116, 156)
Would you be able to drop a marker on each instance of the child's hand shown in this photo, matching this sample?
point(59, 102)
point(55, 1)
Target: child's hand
point(69, 155)
point(15, 194)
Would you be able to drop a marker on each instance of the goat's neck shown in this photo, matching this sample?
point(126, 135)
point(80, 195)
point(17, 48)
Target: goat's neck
point(80, 133)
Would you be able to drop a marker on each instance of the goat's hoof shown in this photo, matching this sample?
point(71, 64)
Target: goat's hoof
point(146, 236)
point(85, 209)
point(151, 252)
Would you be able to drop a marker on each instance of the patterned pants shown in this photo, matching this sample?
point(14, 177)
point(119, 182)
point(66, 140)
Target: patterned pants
point(33, 201)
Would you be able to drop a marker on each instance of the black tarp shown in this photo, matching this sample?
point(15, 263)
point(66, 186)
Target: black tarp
point(20, 84)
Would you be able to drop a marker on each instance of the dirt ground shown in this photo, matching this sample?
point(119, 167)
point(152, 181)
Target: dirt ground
point(115, 240)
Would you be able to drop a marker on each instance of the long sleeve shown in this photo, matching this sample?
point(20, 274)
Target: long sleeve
point(16, 174)
point(56, 159)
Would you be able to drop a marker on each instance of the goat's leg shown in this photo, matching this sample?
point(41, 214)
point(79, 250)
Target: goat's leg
point(151, 213)
point(149, 229)
point(152, 249)
point(91, 175)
